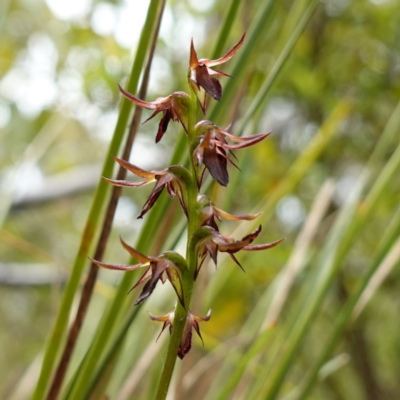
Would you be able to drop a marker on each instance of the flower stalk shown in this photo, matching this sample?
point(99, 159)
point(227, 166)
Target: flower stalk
point(188, 281)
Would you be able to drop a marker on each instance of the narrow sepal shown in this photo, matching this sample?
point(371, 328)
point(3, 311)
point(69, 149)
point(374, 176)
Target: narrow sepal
point(228, 55)
point(265, 246)
point(134, 253)
point(232, 217)
point(116, 267)
point(134, 169)
point(145, 104)
point(233, 246)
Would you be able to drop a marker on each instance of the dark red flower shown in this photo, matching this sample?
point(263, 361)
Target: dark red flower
point(168, 265)
point(173, 107)
point(212, 241)
point(200, 72)
point(192, 322)
point(171, 178)
point(212, 147)
point(210, 214)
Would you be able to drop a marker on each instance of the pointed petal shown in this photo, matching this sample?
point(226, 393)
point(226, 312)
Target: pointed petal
point(127, 183)
point(149, 203)
point(134, 253)
point(167, 319)
point(236, 261)
point(195, 322)
point(203, 319)
point(161, 318)
point(232, 217)
point(250, 141)
point(222, 153)
point(117, 267)
point(197, 329)
point(158, 110)
point(234, 138)
point(194, 62)
point(265, 246)
point(216, 72)
point(165, 324)
point(225, 244)
point(230, 53)
point(136, 100)
point(135, 170)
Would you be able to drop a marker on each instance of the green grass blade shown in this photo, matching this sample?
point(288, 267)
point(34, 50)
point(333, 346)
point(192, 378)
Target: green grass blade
point(311, 305)
point(267, 205)
point(388, 242)
point(257, 29)
point(278, 66)
point(78, 391)
point(94, 217)
point(354, 226)
point(226, 28)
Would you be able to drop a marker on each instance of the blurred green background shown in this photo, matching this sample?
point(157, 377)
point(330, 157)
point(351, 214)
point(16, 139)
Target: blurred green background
point(60, 63)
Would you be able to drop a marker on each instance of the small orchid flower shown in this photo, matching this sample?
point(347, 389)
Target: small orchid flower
point(212, 146)
point(169, 263)
point(192, 321)
point(210, 214)
point(172, 178)
point(200, 73)
point(211, 241)
point(173, 107)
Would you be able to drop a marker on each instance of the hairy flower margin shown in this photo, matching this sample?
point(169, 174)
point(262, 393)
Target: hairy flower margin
point(211, 150)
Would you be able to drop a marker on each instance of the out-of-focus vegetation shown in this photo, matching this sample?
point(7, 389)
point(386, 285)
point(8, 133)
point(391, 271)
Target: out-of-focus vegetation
point(336, 129)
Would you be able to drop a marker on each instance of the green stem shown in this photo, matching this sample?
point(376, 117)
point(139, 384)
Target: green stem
point(188, 278)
